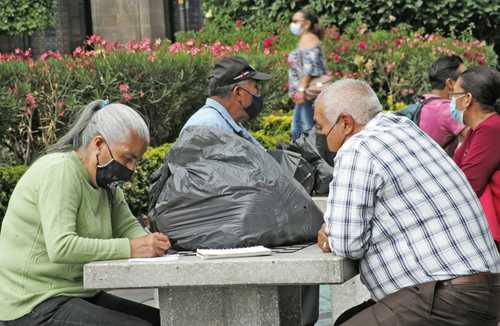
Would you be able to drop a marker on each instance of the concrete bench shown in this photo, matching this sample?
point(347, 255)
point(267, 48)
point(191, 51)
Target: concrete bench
point(236, 291)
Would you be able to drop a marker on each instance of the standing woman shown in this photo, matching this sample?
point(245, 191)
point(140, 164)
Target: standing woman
point(304, 63)
point(65, 212)
point(475, 102)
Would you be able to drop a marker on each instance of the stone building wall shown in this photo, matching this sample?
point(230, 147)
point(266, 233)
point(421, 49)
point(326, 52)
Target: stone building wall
point(69, 31)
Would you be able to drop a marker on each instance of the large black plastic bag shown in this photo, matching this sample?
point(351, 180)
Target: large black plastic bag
point(226, 192)
point(313, 149)
point(297, 167)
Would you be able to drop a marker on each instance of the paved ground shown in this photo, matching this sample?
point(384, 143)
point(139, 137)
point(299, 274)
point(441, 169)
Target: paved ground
point(146, 296)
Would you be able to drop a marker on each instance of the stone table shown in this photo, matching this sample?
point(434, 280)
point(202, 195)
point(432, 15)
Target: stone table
point(234, 291)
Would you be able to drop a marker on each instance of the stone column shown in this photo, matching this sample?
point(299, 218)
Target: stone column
point(125, 20)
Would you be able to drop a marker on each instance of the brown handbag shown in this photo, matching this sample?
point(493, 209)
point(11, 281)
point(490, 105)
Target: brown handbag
point(316, 86)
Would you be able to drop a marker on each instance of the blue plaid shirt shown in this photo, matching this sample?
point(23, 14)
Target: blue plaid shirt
point(400, 204)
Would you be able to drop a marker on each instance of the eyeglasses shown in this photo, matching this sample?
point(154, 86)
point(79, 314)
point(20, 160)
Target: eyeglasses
point(452, 94)
point(331, 128)
point(297, 20)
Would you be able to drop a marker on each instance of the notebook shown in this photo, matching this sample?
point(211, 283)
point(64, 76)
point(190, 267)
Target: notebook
point(233, 252)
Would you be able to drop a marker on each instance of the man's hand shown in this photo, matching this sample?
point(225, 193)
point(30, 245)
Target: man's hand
point(151, 245)
point(323, 239)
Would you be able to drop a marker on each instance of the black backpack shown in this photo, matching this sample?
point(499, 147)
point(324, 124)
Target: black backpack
point(412, 111)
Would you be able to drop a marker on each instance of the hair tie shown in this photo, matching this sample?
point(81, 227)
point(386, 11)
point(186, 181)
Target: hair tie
point(101, 105)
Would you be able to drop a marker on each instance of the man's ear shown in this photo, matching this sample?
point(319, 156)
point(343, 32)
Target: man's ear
point(348, 124)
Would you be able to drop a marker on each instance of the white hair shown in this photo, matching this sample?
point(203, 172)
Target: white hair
point(350, 96)
point(114, 122)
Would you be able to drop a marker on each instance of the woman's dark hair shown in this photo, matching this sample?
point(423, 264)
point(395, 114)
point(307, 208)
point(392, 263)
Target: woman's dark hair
point(444, 68)
point(483, 83)
point(313, 18)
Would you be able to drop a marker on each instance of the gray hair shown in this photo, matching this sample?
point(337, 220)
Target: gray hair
point(222, 91)
point(113, 122)
point(351, 96)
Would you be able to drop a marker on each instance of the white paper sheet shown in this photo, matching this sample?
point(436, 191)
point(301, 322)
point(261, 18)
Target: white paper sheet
point(154, 259)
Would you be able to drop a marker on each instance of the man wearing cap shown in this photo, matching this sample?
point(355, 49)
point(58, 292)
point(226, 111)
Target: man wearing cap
point(234, 97)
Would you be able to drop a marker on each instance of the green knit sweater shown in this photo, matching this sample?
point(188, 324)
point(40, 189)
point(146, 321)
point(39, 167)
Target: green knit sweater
point(56, 222)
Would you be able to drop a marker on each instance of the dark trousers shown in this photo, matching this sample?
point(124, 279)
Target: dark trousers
point(433, 303)
point(103, 309)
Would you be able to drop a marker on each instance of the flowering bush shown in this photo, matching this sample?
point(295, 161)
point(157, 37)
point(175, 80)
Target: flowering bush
point(167, 81)
point(479, 17)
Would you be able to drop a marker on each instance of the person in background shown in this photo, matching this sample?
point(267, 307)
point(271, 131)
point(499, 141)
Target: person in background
point(66, 211)
point(435, 117)
point(304, 63)
point(234, 97)
point(401, 206)
point(476, 103)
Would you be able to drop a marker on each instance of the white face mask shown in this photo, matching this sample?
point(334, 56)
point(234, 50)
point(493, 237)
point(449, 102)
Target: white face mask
point(296, 29)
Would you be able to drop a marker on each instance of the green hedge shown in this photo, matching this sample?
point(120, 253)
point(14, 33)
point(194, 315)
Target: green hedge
point(8, 180)
point(167, 82)
point(480, 17)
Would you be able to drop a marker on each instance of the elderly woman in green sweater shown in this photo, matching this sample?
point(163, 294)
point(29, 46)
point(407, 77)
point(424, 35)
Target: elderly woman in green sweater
point(67, 211)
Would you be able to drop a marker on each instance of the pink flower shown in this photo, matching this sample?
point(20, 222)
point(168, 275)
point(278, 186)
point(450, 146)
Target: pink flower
point(334, 56)
point(175, 48)
point(30, 101)
point(238, 24)
point(362, 45)
point(94, 39)
point(123, 88)
point(190, 43)
point(267, 43)
point(51, 54)
point(152, 57)
point(141, 93)
point(127, 97)
point(481, 60)
point(194, 51)
point(78, 52)
point(267, 51)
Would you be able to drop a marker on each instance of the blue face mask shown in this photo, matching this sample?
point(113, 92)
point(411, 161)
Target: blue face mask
point(296, 29)
point(456, 115)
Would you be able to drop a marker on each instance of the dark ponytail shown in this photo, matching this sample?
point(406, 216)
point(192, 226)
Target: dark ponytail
point(315, 28)
point(483, 82)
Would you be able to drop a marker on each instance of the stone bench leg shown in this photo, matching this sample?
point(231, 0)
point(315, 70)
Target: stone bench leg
point(219, 306)
point(347, 295)
point(299, 304)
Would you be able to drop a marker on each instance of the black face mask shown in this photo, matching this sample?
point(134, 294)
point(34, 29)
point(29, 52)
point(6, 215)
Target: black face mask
point(112, 172)
point(255, 108)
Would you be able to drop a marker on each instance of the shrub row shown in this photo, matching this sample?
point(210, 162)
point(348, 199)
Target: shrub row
point(481, 18)
point(167, 82)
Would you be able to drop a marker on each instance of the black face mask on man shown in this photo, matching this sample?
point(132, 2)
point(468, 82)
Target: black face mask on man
point(255, 108)
point(112, 172)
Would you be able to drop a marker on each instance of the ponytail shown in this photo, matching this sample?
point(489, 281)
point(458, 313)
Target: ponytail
point(72, 140)
point(315, 28)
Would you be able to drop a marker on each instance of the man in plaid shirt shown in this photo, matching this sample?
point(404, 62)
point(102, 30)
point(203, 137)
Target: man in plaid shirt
point(401, 206)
